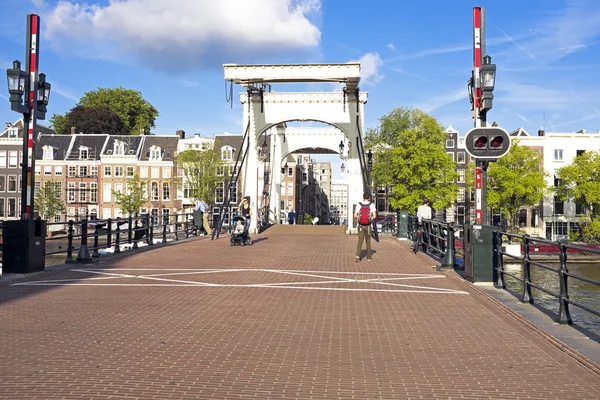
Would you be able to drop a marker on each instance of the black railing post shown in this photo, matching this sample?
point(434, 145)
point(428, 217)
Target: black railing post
point(450, 256)
point(564, 316)
point(118, 236)
point(498, 261)
point(83, 256)
point(165, 223)
point(95, 253)
point(108, 233)
point(149, 230)
point(135, 233)
point(527, 295)
point(70, 243)
point(129, 229)
point(176, 227)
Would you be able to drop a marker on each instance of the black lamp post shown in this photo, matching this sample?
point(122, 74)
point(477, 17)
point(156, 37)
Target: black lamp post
point(488, 81)
point(24, 239)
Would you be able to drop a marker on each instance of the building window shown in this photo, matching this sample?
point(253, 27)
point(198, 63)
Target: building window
point(290, 188)
point(449, 143)
point(580, 152)
point(48, 153)
point(119, 147)
point(2, 183)
point(155, 153)
point(3, 159)
point(118, 172)
point(461, 195)
point(166, 192)
point(154, 216)
point(71, 192)
point(219, 192)
point(94, 170)
point(451, 155)
point(2, 206)
point(460, 157)
point(12, 183)
point(84, 153)
point(558, 155)
point(93, 192)
point(12, 159)
point(220, 170)
point(143, 172)
point(47, 170)
point(58, 170)
point(461, 176)
point(154, 191)
point(559, 206)
point(12, 208)
point(166, 172)
point(82, 192)
point(226, 153)
point(107, 171)
point(129, 172)
point(290, 171)
point(38, 170)
point(118, 189)
point(72, 170)
point(155, 172)
point(107, 193)
point(13, 132)
point(83, 170)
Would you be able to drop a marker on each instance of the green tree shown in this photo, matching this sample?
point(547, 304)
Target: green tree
point(128, 105)
point(580, 182)
point(48, 200)
point(410, 156)
point(134, 196)
point(201, 172)
point(93, 121)
point(516, 180)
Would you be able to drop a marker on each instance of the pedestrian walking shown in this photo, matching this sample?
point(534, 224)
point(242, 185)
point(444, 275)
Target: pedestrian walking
point(365, 213)
point(203, 208)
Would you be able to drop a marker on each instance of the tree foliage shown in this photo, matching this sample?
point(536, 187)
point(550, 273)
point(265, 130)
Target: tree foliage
point(580, 182)
point(94, 121)
point(201, 171)
point(410, 156)
point(48, 200)
point(132, 110)
point(516, 180)
point(133, 197)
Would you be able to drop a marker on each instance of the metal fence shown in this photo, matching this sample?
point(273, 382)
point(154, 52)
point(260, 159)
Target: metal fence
point(85, 240)
point(446, 241)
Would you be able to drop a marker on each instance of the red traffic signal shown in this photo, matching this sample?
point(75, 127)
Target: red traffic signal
point(487, 143)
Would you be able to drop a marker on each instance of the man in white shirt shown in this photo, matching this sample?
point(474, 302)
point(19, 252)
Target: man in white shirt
point(423, 212)
point(364, 212)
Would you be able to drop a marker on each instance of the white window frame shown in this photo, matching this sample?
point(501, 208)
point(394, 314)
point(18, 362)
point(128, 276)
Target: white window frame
point(58, 170)
point(107, 168)
point(13, 159)
point(119, 172)
point(558, 154)
point(458, 157)
point(143, 172)
point(129, 171)
point(48, 153)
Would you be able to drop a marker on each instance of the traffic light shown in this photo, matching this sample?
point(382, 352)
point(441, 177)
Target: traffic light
point(487, 143)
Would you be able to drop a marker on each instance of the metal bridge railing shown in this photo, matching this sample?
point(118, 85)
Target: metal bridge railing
point(525, 279)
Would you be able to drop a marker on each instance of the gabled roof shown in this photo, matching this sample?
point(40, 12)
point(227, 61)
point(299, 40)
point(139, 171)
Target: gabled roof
point(519, 132)
point(234, 141)
point(167, 143)
point(95, 143)
point(132, 144)
point(59, 143)
point(40, 129)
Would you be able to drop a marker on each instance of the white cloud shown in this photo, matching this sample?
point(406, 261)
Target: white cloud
point(369, 68)
point(443, 99)
point(404, 72)
point(391, 46)
point(185, 33)
point(64, 92)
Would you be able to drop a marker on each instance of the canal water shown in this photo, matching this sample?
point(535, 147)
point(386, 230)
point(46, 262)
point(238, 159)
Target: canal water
point(580, 291)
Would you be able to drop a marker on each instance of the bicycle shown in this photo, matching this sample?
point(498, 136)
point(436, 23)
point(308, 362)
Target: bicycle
point(419, 240)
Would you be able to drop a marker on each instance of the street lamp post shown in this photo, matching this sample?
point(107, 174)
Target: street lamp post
point(24, 240)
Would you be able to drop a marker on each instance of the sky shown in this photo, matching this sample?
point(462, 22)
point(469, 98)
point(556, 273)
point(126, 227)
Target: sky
point(415, 54)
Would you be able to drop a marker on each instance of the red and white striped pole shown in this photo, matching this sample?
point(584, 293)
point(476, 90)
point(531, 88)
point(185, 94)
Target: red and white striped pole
point(478, 49)
point(29, 120)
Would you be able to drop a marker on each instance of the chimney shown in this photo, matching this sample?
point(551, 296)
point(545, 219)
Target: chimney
point(541, 132)
point(180, 133)
point(72, 130)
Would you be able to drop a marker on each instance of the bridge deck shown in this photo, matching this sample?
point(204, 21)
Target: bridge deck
point(292, 316)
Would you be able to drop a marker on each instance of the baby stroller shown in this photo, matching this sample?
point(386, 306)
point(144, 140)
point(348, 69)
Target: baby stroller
point(243, 238)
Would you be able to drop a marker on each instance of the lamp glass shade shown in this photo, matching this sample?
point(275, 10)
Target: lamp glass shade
point(488, 76)
point(343, 168)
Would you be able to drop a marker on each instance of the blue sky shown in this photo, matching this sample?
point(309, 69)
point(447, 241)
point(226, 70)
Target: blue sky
point(415, 54)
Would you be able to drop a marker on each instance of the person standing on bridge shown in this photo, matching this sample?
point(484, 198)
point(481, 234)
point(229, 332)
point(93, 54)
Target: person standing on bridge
point(246, 211)
point(365, 213)
point(291, 217)
point(203, 208)
point(423, 212)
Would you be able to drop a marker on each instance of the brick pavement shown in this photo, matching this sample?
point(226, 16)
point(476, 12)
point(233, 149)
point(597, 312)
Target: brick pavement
point(290, 317)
